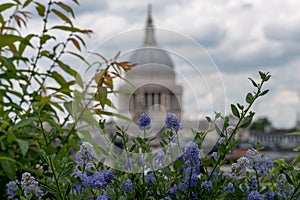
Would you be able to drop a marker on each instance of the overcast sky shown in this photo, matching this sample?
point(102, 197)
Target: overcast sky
point(241, 37)
point(216, 45)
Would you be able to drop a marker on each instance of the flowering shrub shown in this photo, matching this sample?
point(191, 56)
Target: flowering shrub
point(190, 175)
point(38, 159)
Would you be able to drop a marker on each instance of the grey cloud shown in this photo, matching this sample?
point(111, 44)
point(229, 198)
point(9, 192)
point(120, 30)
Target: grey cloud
point(283, 32)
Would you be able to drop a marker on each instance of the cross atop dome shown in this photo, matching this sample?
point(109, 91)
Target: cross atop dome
point(149, 38)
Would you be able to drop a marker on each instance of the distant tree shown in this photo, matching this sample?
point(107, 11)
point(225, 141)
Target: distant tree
point(261, 124)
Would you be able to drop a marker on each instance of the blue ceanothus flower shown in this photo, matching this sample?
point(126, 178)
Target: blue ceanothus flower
point(192, 163)
point(159, 159)
point(145, 121)
point(127, 186)
point(85, 154)
point(150, 178)
point(103, 196)
point(30, 185)
point(206, 185)
point(12, 187)
point(255, 195)
point(172, 122)
point(230, 188)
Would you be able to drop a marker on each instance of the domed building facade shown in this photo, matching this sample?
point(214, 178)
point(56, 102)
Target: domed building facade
point(153, 79)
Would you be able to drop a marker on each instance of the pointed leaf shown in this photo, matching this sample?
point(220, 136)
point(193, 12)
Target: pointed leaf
point(40, 9)
point(66, 8)
point(253, 82)
point(76, 43)
point(9, 168)
point(24, 145)
point(6, 6)
point(264, 93)
point(249, 98)
point(62, 16)
point(235, 111)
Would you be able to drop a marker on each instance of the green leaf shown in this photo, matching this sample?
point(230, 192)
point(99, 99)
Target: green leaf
point(262, 75)
point(62, 16)
point(253, 82)
point(264, 93)
point(6, 6)
point(45, 38)
point(247, 121)
point(107, 113)
point(235, 111)
point(40, 9)
point(25, 122)
point(208, 119)
point(58, 78)
point(178, 163)
point(66, 8)
point(9, 168)
point(69, 29)
point(8, 39)
point(71, 71)
point(26, 3)
point(24, 145)
point(101, 96)
point(249, 98)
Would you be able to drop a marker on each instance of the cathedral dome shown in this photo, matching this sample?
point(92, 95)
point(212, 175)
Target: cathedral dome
point(151, 55)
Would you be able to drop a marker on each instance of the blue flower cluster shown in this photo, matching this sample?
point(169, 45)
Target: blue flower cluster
point(28, 184)
point(192, 163)
point(172, 122)
point(97, 180)
point(259, 163)
point(12, 188)
point(150, 178)
point(145, 121)
point(159, 159)
point(86, 178)
point(127, 186)
point(84, 155)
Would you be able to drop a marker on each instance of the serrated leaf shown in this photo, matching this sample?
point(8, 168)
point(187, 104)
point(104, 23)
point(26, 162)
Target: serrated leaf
point(235, 111)
point(24, 145)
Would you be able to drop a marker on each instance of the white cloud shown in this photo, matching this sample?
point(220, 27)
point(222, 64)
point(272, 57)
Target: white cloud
point(241, 36)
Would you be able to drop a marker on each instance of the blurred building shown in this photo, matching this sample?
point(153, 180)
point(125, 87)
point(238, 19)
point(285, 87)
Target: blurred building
point(154, 79)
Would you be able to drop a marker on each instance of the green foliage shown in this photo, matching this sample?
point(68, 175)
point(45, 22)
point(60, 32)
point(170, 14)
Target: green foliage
point(36, 88)
point(261, 124)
